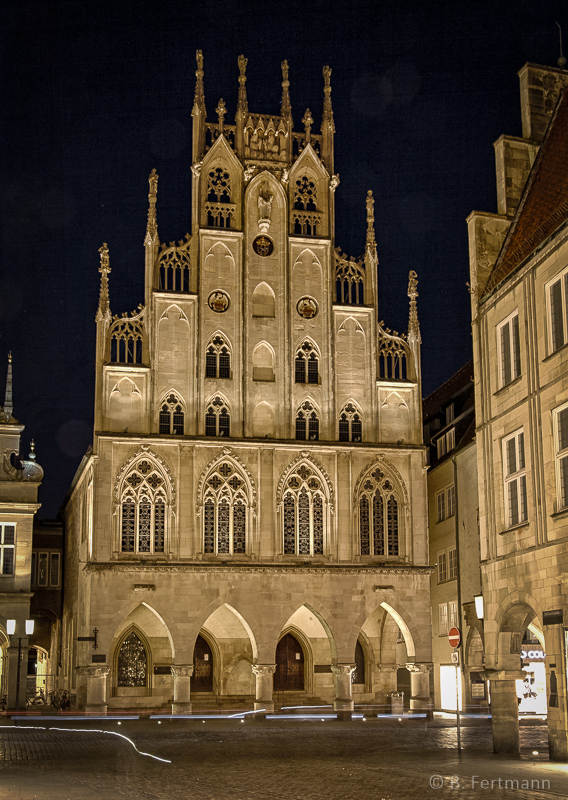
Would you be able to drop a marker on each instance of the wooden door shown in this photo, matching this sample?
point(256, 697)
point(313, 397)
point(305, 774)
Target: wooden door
point(289, 675)
point(202, 680)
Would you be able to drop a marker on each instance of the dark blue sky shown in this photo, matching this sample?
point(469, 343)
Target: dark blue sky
point(96, 94)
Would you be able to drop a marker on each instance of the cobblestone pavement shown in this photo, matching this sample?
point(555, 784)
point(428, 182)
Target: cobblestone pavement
point(283, 760)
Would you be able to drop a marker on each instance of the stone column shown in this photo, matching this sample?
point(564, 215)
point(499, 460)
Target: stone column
point(96, 689)
point(420, 699)
point(264, 682)
point(343, 702)
point(182, 688)
point(385, 684)
point(557, 718)
point(504, 710)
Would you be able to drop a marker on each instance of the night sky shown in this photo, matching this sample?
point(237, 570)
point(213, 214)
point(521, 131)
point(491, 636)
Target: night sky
point(96, 94)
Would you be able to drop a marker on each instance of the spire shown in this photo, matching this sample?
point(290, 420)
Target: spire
point(152, 226)
point(371, 242)
point(285, 107)
point(199, 99)
point(8, 402)
point(327, 125)
point(242, 104)
point(413, 326)
point(103, 311)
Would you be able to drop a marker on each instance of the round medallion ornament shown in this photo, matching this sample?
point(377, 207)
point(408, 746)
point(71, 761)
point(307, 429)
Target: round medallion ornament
point(307, 307)
point(263, 246)
point(218, 302)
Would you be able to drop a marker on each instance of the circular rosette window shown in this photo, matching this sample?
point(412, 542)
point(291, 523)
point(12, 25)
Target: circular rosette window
point(218, 302)
point(263, 246)
point(307, 307)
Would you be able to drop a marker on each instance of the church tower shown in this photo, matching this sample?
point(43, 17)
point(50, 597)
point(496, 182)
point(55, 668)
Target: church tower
point(255, 416)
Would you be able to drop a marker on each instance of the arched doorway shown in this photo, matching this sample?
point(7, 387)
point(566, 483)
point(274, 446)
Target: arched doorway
point(358, 674)
point(202, 680)
point(289, 675)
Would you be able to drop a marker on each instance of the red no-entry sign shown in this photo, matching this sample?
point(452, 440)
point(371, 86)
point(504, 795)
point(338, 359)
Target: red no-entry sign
point(454, 637)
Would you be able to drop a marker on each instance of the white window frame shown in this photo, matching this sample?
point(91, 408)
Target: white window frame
point(443, 619)
point(513, 350)
point(445, 503)
point(515, 481)
point(5, 548)
point(450, 500)
point(562, 278)
point(441, 506)
point(452, 563)
point(442, 559)
point(561, 456)
point(453, 614)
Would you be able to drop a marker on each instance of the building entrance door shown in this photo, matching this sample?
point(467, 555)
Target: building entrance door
point(289, 675)
point(202, 680)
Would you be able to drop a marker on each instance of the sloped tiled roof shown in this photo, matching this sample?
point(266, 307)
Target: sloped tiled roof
point(544, 204)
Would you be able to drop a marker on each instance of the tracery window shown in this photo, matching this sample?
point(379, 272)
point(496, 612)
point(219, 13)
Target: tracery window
point(132, 662)
point(305, 215)
point(307, 364)
point(175, 266)
point(217, 418)
point(349, 282)
point(303, 513)
point(225, 511)
point(218, 359)
point(307, 422)
point(378, 516)
point(350, 425)
point(143, 510)
point(126, 341)
point(218, 205)
point(172, 416)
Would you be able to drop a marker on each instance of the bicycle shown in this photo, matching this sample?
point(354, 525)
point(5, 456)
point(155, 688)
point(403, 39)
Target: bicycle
point(4, 702)
point(37, 700)
point(59, 699)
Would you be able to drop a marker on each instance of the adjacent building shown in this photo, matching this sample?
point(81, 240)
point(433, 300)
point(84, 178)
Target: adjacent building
point(519, 293)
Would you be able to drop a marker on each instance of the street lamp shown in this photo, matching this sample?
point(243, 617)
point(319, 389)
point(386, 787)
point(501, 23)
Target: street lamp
point(479, 605)
point(11, 630)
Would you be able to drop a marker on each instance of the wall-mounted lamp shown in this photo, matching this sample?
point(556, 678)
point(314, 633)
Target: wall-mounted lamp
point(479, 605)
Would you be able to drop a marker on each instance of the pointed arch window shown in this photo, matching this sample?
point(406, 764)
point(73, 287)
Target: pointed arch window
point(304, 516)
point(172, 416)
point(358, 674)
point(225, 511)
point(217, 418)
point(143, 510)
point(218, 358)
point(307, 364)
point(218, 206)
point(126, 341)
point(305, 216)
point(350, 425)
point(378, 516)
point(307, 422)
point(132, 662)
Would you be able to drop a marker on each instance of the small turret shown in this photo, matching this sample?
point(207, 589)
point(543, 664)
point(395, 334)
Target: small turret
point(103, 319)
point(371, 257)
point(242, 108)
point(151, 240)
point(103, 311)
point(286, 110)
point(198, 112)
point(8, 401)
point(413, 336)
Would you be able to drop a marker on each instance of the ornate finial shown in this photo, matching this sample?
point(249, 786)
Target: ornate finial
point(103, 311)
point(199, 99)
point(32, 456)
point(221, 110)
point(8, 401)
point(152, 226)
point(413, 326)
point(562, 60)
point(242, 104)
point(370, 218)
point(327, 109)
point(308, 121)
point(285, 107)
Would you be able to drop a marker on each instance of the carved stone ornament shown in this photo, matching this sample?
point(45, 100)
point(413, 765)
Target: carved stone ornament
point(265, 198)
point(182, 670)
point(343, 669)
point(263, 246)
point(381, 461)
point(317, 467)
point(307, 307)
point(160, 466)
point(218, 302)
point(263, 669)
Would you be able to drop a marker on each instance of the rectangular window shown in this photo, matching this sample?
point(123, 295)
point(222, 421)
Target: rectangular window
point(313, 376)
point(441, 506)
point(343, 431)
point(557, 308)
point(450, 439)
point(7, 548)
point(443, 619)
point(211, 365)
point(452, 614)
point(441, 446)
point(561, 447)
point(224, 365)
point(452, 563)
point(509, 349)
point(442, 567)
point(42, 570)
point(34, 568)
point(451, 500)
point(300, 371)
point(515, 481)
point(449, 413)
point(54, 570)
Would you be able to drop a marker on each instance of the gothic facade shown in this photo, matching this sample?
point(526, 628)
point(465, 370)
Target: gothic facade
point(251, 524)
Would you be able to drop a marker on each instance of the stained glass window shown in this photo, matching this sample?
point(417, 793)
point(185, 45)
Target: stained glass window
point(378, 525)
point(143, 510)
point(289, 524)
point(378, 517)
point(218, 359)
point(364, 526)
point(132, 665)
point(307, 364)
point(217, 419)
point(307, 422)
point(171, 416)
point(303, 514)
point(392, 524)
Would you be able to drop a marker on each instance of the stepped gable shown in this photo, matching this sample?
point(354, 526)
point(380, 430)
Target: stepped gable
point(544, 205)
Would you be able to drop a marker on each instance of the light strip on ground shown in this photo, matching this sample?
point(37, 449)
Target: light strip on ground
point(90, 730)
